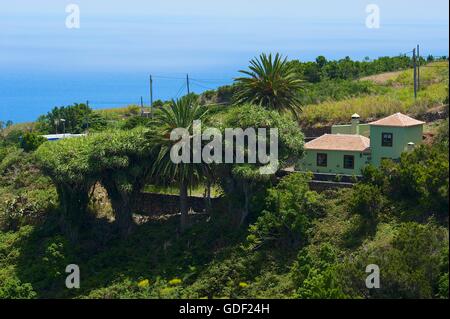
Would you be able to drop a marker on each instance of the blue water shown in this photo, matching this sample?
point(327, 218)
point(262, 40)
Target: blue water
point(25, 96)
point(108, 60)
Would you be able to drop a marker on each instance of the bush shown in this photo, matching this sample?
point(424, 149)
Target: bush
point(369, 203)
point(410, 260)
point(78, 118)
point(316, 273)
point(337, 90)
point(25, 210)
point(135, 121)
point(31, 141)
point(13, 288)
point(290, 207)
point(422, 179)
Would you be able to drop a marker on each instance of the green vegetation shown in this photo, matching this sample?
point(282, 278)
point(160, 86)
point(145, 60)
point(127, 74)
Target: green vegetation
point(396, 95)
point(347, 69)
point(31, 141)
point(118, 159)
point(263, 236)
point(271, 82)
point(73, 119)
point(181, 115)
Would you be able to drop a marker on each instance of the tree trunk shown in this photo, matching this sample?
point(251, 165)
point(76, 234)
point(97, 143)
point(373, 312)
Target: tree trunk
point(74, 202)
point(184, 205)
point(121, 204)
point(207, 198)
point(245, 211)
point(123, 215)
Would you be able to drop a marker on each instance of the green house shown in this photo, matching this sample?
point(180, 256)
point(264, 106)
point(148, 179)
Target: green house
point(351, 147)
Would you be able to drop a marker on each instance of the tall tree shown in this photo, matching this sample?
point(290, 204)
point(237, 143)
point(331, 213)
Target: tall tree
point(66, 162)
point(242, 181)
point(271, 82)
point(181, 114)
point(122, 161)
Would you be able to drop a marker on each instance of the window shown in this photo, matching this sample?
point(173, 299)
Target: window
point(349, 161)
point(386, 139)
point(322, 159)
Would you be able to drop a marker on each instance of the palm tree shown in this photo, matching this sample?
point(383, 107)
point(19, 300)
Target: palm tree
point(272, 82)
point(180, 114)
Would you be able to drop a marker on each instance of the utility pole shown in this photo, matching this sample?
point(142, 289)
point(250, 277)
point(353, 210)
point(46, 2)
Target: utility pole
point(151, 95)
point(87, 118)
point(418, 68)
point(187, 83)
point(415, 73)
point(64, 127)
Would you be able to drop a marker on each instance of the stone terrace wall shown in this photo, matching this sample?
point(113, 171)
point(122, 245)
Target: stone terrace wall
point(151, 204)
point(320, 186)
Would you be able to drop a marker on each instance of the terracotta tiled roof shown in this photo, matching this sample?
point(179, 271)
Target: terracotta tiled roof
point(339, 142)
point(397, 119)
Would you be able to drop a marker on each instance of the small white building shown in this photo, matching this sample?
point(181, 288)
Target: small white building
point(56, 137)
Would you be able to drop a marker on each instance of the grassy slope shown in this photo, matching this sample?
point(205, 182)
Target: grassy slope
point(208, 258)
point(399, 97)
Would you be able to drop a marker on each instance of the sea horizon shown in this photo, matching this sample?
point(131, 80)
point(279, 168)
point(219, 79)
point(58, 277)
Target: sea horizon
point(24, 96)
point(108, 58)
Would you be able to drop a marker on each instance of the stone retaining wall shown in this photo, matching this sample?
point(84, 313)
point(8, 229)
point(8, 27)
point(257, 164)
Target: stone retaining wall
point(151, 204)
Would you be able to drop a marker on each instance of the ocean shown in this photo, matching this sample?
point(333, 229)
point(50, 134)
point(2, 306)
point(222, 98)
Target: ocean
point(108, 60)
point(25, 96)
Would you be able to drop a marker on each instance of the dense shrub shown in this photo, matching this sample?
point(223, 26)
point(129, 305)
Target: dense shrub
point(410, 260)
point(26, 196)
point(290, 207)
point(368, 203)
point(31, 141)
point(328, 90)
point(13, 288)
point(347, 69)
point(75, 118)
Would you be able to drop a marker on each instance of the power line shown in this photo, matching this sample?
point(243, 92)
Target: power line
point(201, 85)
point(406, 52)
point(210, 80)
point(213, 80)
point(167, 77)
point(107, 102)
point(180, 90)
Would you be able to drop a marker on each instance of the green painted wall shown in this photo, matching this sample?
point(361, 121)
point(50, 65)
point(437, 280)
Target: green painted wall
point(335, 162)
point(401, 137)
point(364, 129)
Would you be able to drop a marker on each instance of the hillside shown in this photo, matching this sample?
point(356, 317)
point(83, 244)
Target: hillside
point(396, 94)
point(391, 92)
point(75, 201)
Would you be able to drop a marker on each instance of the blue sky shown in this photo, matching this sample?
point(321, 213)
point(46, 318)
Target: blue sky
point(201, 36)
point(108, 60)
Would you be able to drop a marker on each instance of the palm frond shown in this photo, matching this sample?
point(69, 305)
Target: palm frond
point(270, 82)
